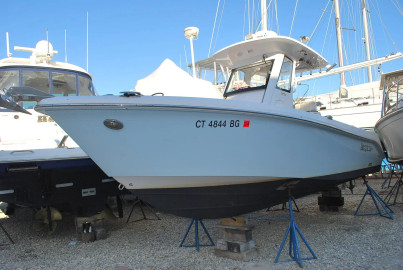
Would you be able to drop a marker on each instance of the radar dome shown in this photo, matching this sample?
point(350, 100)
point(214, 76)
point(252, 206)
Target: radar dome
point(44, 49)
point(191, 32)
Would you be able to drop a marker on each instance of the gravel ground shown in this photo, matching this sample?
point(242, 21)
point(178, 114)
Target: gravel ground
point(339, 239)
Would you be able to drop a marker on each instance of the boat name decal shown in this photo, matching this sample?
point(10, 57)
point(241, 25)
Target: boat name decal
point(366, 147)
point(222, 123)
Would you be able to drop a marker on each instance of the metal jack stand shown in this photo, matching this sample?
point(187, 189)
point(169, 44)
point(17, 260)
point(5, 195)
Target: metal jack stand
point(392, 172)
point(376, 199)
point(197, 243)
point(294, 250)
point(284, 206)
point(395, 190)
point(6, 233)
point(141, 203)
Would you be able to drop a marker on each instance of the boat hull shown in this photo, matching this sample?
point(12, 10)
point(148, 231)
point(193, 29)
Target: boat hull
point(233, 200)
point(390, 130)
point(72, 183)
point(187, 146)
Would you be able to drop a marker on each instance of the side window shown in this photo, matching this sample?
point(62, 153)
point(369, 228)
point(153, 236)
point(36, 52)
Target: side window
point(84, 86)
point(36, 79)
point(8, 78)
point(64, 84)
point(284, 80)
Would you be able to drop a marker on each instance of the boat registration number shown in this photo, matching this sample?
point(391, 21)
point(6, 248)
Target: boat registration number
point(222, 123)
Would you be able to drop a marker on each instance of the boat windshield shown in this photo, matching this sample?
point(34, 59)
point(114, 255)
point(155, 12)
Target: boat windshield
point(249, 78)
point(394, 97)
point(56, 82)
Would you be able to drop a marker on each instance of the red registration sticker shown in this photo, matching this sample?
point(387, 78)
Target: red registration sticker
point(246, 123)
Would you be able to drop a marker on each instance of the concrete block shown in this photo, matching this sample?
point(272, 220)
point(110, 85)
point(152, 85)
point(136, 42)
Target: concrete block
point(236, 235)
point(240, 256)
point(222, 244)
point(240, 246)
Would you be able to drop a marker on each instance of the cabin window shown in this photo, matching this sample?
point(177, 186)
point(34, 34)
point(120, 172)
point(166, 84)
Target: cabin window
point(8, 78)
point(36, 79)
point(64, 84)
point(284, 79)
point(249, 78)
point(394, 97)
point(85, 87)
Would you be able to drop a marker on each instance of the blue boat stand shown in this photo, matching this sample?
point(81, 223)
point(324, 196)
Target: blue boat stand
point(387, 212)
point(195, 222)
point(396, 187)
point(294, 249)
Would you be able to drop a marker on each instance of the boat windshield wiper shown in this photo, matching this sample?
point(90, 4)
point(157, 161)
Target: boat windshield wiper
point(10, 97)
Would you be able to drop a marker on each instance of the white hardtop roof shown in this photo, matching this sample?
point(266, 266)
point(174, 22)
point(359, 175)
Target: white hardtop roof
point(26, 62)
point(253, 50)
point(389, 77)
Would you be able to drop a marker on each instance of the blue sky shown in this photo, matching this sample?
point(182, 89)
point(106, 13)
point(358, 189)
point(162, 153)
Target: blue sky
point(129, 39)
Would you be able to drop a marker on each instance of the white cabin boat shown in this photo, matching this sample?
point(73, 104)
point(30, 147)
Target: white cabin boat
point(40, 165)
point(390, 126)
point(212, 158)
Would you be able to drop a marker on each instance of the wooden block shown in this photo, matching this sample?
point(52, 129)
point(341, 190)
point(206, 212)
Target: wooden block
point(236, 221)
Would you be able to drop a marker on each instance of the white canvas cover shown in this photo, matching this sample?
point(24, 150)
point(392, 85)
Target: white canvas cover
point(171, 80)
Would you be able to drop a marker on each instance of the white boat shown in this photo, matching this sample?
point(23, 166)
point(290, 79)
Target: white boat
point(390, 126)
point(39, 164)
point(362, 107)
point(38, 131)
point(212, 158)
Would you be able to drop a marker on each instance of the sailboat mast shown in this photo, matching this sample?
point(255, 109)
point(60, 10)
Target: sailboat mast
point(264, 15)
point(339, 41)
point(365, 23)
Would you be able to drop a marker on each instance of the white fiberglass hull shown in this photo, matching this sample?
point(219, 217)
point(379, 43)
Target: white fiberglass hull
point(182, 142)
point(205, 158)
point(390, 131)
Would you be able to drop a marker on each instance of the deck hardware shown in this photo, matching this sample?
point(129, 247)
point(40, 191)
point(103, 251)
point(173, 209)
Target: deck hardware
point(131, 94)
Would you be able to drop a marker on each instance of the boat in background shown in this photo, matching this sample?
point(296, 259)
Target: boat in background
point(214, 158)
point(40, 165)
point(390, 126)
point(362, 107)
point(358, 105)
